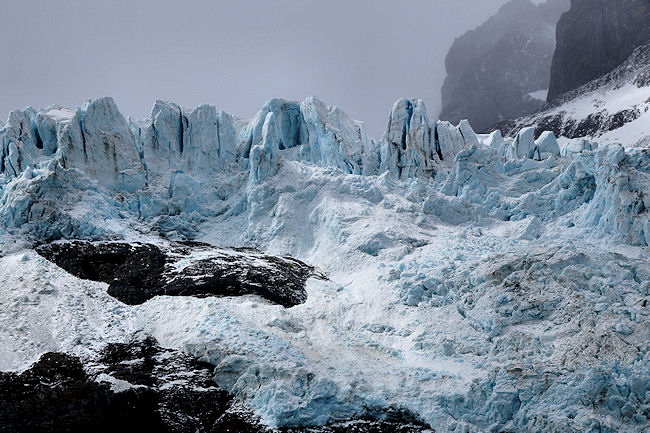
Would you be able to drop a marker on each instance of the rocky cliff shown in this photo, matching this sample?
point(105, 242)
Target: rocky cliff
point(614, 108)
point(501, 69)
point(594, 37)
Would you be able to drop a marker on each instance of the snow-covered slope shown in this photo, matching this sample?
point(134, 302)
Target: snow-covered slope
point(475, 283)
point(614, 108)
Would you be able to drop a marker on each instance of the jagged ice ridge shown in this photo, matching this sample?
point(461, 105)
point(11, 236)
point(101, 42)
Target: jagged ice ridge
point(167, 165)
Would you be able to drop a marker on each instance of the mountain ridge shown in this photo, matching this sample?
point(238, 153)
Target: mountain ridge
point(594, 37)
point(612, 108)
point(495, 71)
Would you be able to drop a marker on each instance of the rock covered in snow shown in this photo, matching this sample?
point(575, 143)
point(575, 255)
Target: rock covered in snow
point(137, 273)
point(139, 386)
point(499, 70)
point(131, 386)
point(594, 37)
point(613, 108)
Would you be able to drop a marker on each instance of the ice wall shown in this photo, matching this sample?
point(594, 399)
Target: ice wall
point(185, 167)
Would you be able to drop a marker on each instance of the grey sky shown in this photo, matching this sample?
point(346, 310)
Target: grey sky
point(358, 54)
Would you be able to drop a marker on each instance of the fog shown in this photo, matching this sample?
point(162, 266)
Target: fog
point(358, 54)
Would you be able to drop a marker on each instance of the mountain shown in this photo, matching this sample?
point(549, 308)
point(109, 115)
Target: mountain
point(194, 272)
point(501, 69)
point(614, 108)
point(593, 38)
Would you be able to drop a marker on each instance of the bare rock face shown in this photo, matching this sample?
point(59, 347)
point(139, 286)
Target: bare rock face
point(501, 69)
point(594, 37)
point(138, 272)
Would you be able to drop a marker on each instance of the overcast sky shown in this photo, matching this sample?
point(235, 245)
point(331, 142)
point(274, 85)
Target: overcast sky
point(358, 54)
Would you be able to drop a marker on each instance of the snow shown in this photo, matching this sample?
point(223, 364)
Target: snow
point(59, 114)
point(523, 147)
point(632, 132)
point(611, 109)
point(416, 331)
point(480, 283)
point(577, 145)
point(43, 308)
point(612, 100)
point(540, 94)
point(119, 385)
point(609, 101)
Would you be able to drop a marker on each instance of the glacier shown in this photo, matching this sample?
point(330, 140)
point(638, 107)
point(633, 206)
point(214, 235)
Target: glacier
point(191, 163)
point(481, 283)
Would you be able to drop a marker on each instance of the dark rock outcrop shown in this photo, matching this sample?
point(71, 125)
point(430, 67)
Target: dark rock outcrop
point(131, 387)
point(594, 37)
point(140, 387)
point(492, 70)
point(137, 272)
point(366, 426)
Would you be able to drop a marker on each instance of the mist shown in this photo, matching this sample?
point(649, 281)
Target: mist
point(360, 56)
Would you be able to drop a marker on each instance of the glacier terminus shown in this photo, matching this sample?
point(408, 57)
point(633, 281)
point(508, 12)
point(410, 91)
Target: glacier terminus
point(455, 281)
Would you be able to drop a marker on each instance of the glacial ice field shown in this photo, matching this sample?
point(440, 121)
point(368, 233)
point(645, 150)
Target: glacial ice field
point(476, 282)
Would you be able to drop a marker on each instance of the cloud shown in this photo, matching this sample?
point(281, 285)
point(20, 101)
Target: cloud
point(360, 55)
